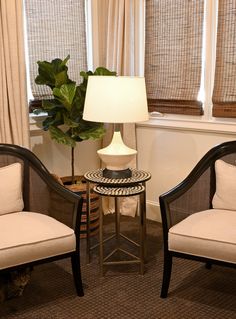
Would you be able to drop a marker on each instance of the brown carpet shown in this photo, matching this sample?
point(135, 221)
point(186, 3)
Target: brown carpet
point(195, 292)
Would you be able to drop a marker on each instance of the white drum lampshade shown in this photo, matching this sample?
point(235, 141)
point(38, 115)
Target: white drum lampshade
point(116, 99)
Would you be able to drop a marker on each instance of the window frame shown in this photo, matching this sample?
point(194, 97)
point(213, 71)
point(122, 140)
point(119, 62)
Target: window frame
point(205, 122)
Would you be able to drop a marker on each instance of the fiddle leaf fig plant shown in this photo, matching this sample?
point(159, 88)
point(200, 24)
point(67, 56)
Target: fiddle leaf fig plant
point(64, 119)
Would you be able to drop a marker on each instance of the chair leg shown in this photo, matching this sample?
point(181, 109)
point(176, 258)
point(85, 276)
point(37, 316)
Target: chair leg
point(208, 265)
point(75, 263)
point(166, 274)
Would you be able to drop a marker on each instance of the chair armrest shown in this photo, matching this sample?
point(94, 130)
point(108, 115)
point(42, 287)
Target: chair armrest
point(64, 205)
point(193, 194)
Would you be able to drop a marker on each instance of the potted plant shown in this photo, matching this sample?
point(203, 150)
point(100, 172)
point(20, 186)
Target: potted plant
point(65, 123)
point(64, 119)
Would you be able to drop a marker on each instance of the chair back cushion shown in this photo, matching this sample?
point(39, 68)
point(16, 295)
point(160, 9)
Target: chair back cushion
point(11, 199)
point(225, 195)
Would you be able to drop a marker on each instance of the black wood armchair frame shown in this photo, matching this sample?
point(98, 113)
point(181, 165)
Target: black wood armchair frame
point(182, 201)
point(43, 194)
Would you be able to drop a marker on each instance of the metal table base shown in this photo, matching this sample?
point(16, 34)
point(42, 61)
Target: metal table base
point(118, 188)
point(106, 260)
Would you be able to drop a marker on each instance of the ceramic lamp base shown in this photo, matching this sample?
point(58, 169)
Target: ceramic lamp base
point(117, 157)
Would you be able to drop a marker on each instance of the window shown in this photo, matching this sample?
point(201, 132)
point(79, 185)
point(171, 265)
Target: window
point(224, 94)
point(217, 59)
point(173, 59)
point(54, 30)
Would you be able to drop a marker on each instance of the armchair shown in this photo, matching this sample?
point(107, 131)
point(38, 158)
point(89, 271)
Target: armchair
point(199, 214)
point(39, 218)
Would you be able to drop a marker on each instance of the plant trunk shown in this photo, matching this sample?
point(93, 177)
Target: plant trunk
point(72, 165)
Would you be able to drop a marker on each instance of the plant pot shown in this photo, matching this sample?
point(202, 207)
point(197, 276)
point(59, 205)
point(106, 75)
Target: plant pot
point(80, 188)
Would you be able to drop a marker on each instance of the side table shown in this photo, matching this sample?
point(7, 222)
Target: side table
point(135, 185)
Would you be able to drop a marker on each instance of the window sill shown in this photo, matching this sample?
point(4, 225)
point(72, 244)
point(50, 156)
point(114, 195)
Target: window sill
point(164, 122)
point(34, 121)
point(190, 124)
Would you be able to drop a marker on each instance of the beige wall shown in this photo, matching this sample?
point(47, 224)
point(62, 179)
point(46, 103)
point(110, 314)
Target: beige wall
point(169, 155)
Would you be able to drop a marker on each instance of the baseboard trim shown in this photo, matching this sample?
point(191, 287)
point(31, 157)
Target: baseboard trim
point(153, 211)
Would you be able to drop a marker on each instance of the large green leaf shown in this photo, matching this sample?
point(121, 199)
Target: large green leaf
point(59, 65)
point(65, 94)
point(47, 123)
point(76, 112)
point(61, 78)
point(62, 63)
point(93, 133)
point(61, 137)
point(54, 119)
point(85, 75)
point(67, 106)
point(48, 72)
point(104, 71)
point(48, 105)
point(68, 121)
point(90, 130)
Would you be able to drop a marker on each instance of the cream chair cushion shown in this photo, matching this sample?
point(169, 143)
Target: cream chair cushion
point(210, 233)
point(11, 189)
point(27, 236)
point(225, 195)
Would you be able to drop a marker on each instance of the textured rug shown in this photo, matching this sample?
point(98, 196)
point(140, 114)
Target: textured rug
point(195, 292)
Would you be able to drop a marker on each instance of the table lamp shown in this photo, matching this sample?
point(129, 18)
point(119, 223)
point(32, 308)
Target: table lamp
point(116, 99)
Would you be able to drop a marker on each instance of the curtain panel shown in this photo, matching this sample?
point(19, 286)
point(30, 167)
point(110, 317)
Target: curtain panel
point(224, 92)
point(118, 44)
point(14, 119)
point(173, 56)
point(118, 38)
point(54, 30)
point(118, 35)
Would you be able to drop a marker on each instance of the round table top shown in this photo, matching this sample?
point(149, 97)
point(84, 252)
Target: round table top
point(119, 191)
point(138, 176)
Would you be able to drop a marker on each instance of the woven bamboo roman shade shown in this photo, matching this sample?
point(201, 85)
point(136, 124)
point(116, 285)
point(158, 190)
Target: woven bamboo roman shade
point(173, 57)
point(224, 93)
point(54, 30)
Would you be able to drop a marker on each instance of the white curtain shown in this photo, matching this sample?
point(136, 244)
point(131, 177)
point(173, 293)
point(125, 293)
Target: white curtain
point(14, 115)
point(118, 43)
point(118, 35)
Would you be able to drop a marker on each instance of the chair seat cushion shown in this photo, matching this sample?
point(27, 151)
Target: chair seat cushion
point(210, 233)
point(27, 236)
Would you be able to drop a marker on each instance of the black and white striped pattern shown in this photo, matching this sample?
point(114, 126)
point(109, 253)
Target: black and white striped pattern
point(96, 176)
point(119, 191)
